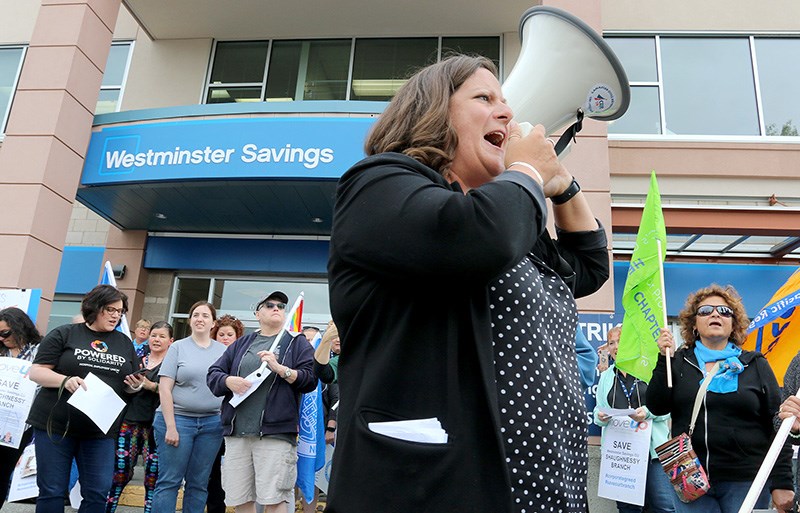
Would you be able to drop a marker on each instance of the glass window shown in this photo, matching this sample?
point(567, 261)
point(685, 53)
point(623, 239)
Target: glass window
point(381, 66)
point(10, 59)
point(643, 114)
point(708, 86)
point(113, 79)
point(489, 47)
point(239, 62)
point(637, 55)
point(778, 79)
point(320, 67)
point(62, 311)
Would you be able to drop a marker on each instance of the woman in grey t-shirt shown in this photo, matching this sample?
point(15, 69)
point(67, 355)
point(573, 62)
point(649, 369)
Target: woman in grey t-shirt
point(187, 424)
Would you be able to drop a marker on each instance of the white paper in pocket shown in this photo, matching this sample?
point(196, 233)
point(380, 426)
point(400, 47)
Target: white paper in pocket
point(427, 431)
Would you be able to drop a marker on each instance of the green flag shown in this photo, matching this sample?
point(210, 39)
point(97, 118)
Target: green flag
point(642, 298)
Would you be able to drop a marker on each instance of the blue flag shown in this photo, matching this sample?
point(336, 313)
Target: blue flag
point(311, 446)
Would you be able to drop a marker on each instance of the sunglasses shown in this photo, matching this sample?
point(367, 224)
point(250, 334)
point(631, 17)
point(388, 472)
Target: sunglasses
point(6, 333)
point(706, 310)
point(270, 305)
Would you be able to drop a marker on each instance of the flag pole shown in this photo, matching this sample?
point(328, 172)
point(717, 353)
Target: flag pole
point(664, 300)
point(769, 462)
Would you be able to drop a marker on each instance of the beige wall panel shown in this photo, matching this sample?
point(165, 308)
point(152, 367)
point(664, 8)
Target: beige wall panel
point(706, 15)
point(65, 25)
point(41, 261)
point(126, 26)
point(587, 160)
point(166, 73)
point(60, 67)
point(738, 191)
point(24, 13)
point(41, 160)
point(37, 212)
point(705, 159)
point(34, 113)
point(106, 10)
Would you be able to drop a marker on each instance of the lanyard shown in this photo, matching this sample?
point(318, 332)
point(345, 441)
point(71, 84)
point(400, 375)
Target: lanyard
point(628, 393)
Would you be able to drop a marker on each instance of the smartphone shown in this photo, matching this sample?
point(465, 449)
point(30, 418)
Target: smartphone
point(603, 357)
point(140, 371)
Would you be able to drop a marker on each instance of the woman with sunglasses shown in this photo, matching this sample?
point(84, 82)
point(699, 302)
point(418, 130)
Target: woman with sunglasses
point(61, 432)
point(20, 339)
point(734, 428)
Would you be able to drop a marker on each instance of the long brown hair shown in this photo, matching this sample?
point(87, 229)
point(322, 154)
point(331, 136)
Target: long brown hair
point(688, 316)
point(417, 120)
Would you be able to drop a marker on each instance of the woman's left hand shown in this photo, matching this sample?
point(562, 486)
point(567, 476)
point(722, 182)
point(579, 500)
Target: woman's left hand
point(134, 381)
point(783, 500)
point(640, 414)
point(791, 408)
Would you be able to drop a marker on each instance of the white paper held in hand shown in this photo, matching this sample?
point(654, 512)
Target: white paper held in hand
point(418, 430)
point(99, 402)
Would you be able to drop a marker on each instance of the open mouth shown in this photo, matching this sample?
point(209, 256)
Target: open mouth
point(496, 138)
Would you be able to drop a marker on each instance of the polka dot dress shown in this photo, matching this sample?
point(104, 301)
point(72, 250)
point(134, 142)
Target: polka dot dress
point(542, 409)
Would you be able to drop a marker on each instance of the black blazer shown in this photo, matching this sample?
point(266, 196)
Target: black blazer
point(411, 259)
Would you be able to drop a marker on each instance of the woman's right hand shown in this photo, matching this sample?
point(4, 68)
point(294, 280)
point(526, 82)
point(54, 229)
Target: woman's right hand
point(666, 342)
point(791, 408)
point(536, 150)
point(603, 417)
point(73, 383)
point(237, 385)
point(172, 438)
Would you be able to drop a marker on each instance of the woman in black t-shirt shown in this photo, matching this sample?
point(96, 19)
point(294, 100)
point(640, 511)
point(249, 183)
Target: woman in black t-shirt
point(65, 357)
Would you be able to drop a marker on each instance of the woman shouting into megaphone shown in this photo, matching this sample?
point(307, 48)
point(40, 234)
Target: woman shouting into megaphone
point(456, 309)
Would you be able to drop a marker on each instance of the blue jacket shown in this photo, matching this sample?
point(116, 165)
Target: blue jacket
point(281, 410)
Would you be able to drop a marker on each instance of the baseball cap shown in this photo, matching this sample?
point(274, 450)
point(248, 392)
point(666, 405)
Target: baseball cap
point(275, 296)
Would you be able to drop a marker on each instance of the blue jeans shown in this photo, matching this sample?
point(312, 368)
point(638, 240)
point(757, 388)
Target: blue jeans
point(199, 439)
point(659, 496)
point(95, 457)
point(725, 497)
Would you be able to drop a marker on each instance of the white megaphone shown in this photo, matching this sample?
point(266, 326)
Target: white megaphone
point(565, 71)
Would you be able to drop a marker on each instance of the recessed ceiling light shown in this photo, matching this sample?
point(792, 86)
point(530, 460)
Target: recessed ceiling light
point(159, 215)
point(316, 219)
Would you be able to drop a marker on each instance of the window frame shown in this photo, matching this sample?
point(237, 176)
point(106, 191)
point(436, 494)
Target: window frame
point(208, 86)
point(659, 84)
point(14, 85)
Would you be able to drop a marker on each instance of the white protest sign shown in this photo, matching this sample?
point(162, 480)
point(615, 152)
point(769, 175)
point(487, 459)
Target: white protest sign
point(23, 480)
point(624, 456)
point(323, 476)
point(16, 396)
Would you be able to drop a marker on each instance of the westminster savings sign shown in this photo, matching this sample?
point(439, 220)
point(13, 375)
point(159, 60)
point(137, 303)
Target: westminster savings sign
point(225, 148)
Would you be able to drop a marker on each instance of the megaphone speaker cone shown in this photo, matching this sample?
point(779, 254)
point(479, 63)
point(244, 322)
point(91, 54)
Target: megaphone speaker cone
point(564, 66)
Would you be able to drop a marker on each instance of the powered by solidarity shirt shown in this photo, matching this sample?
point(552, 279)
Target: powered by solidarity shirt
point(76, 350)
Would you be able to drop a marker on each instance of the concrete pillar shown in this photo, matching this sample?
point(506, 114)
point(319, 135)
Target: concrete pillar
point(127, 248)
point(46, 139)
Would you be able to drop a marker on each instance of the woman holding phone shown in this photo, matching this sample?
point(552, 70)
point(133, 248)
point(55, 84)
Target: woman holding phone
point(136, 434)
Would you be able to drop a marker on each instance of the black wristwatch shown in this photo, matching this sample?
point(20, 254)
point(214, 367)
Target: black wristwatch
point(573, 189)
point(330, 428)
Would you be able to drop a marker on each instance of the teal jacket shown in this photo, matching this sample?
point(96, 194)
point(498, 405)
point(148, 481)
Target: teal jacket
point(660, 433)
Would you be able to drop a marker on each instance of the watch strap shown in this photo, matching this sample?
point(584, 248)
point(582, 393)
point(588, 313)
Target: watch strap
point(570, 192)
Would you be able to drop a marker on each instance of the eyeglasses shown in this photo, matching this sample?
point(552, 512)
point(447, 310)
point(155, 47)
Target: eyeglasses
point(706, 310)
point(6, 333)
point(270, 305)
point(110, 310)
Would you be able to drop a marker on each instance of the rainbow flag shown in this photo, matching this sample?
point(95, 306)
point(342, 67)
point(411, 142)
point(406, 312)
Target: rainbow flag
point(774, 332)
point(294, 321)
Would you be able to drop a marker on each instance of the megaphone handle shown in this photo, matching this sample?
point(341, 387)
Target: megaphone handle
point(569, 134)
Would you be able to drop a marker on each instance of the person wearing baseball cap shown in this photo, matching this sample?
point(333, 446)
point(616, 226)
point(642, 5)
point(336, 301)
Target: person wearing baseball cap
point(263, 427)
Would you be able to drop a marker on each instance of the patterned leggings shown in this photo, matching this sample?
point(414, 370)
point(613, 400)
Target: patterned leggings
point(134, 439)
